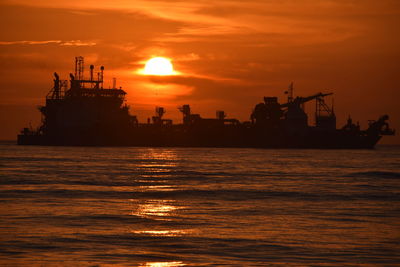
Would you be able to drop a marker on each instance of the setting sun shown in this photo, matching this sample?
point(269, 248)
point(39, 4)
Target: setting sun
point(158, 66)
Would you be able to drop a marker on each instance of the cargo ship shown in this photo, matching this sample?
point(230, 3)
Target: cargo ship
point(81, 112)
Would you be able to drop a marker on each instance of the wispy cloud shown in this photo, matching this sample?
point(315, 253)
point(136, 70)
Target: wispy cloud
point(231, 16)
point(30, 42)
point(46, 42)
point(78, 43)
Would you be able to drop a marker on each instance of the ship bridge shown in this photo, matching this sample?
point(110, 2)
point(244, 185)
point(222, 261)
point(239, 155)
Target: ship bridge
point(81, 87)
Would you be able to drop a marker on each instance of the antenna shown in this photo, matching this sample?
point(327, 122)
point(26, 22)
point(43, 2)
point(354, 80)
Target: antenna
point(56, 88)
point(91, 76)
point(79, 70)
point(76, 67)
point(290, 93)
point(102, 76)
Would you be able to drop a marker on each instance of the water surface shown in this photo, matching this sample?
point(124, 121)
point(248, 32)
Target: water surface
point(87, 206)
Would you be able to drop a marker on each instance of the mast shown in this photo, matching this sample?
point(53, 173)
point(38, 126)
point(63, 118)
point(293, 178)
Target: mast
point(290, 93)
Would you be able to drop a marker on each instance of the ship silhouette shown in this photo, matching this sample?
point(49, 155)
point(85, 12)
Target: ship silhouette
point(83, 113)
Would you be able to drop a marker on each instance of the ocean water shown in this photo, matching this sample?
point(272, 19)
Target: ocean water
point(90, 206)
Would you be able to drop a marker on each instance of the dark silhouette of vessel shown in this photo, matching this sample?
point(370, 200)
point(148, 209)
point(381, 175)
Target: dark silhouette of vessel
point(86, 114)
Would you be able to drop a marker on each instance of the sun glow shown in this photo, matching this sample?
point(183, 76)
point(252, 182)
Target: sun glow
point(158, 66)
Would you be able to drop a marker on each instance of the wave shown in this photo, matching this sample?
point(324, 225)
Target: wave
point(212, 194)
point(375, 174)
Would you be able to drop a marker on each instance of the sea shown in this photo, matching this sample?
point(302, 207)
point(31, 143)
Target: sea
point(137, 206)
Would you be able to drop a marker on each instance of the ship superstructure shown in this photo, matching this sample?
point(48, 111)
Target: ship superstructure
point(83, 112)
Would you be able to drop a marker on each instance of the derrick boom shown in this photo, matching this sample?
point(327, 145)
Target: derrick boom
point(301, 100)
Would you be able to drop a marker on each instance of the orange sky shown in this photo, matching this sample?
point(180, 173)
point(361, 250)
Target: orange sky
point(230, 54)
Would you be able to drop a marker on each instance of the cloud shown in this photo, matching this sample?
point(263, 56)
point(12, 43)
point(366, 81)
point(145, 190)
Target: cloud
point(222, 17)
point(30, 42)
point(78, 43)
point(188, 57)
point(57, 42)
point(228, 51)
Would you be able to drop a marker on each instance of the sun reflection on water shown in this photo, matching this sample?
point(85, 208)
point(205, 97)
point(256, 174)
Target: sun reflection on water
point(157, 188)
point(163, 264)
point(156, 162)
point(155, 208)
point(165, 233)
point(166, 155)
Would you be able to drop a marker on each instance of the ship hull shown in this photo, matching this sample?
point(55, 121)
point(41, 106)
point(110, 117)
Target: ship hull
point(251, 138)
